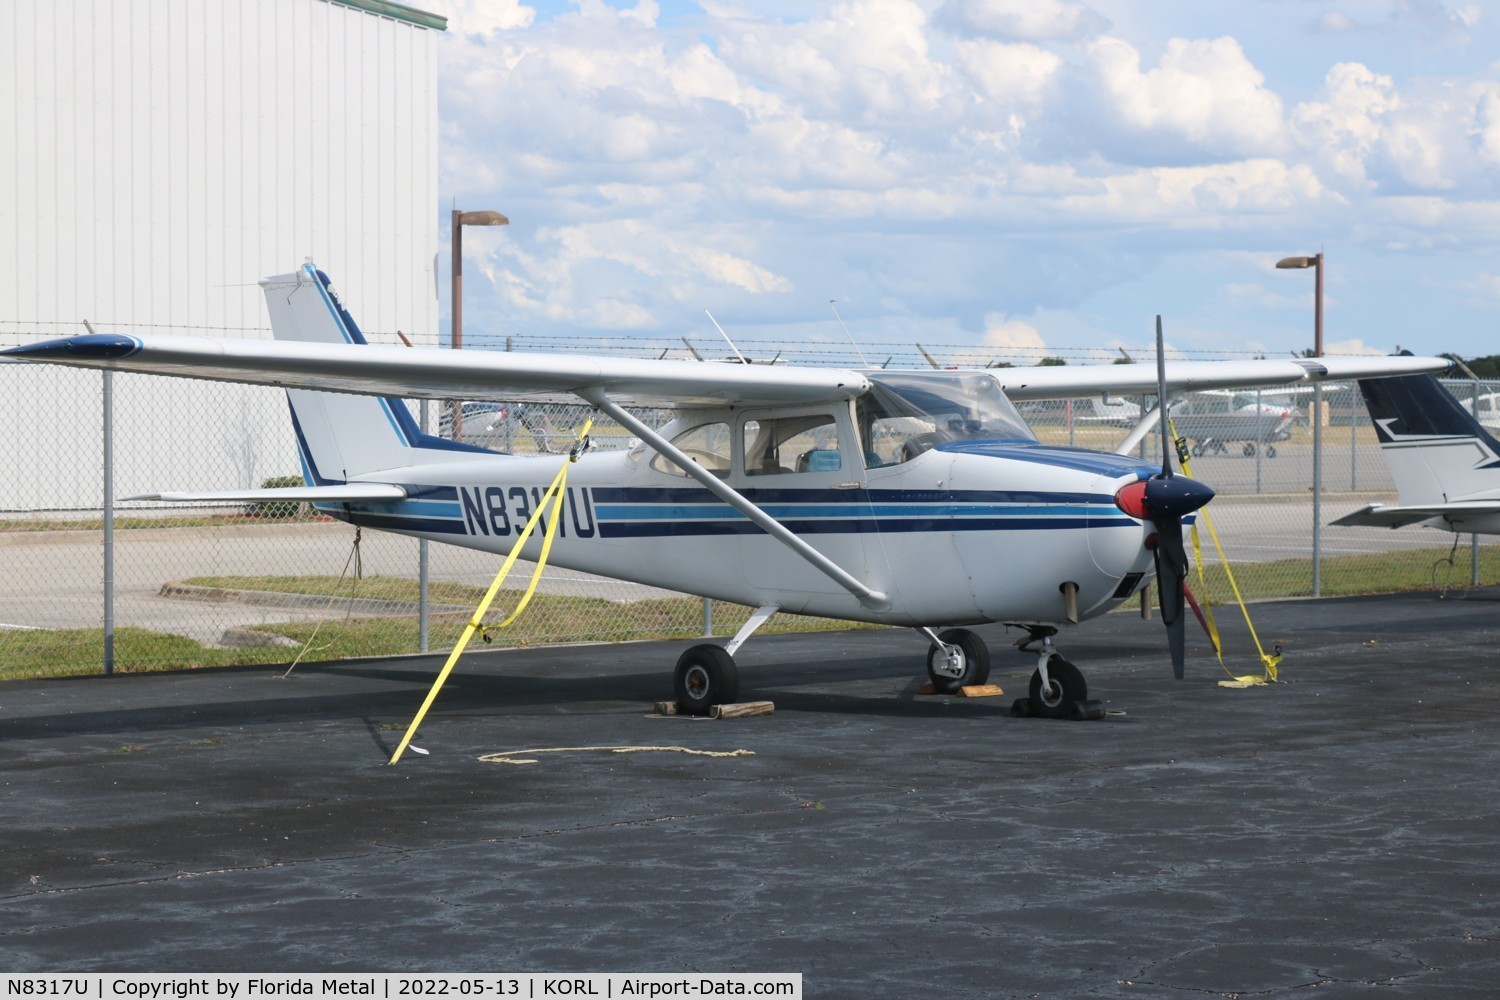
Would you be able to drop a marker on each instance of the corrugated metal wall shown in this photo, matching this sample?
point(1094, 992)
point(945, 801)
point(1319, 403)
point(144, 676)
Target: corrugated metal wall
point(163, 155)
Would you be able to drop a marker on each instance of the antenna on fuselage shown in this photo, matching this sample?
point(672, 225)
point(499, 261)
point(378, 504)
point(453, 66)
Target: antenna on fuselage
point(862, 359)
point(715, 322)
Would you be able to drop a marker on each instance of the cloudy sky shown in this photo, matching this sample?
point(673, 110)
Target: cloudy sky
point(985, 176)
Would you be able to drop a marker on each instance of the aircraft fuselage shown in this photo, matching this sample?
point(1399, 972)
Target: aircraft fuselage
point(981, 532)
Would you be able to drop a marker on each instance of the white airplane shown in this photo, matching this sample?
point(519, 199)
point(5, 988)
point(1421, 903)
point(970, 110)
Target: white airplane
point(1210, 420)
point(916, 499)
point(1446, 465)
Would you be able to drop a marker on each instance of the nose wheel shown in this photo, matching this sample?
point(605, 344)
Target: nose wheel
point(1061, 692)
point(1058, 690)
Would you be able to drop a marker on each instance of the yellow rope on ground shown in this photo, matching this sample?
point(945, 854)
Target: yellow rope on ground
point(555, 494)
point(507, 758)
point(1269, 661)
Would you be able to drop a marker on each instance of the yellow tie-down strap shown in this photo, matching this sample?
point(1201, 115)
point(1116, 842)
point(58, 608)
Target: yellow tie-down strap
point(1269, 660)
point(555, 495)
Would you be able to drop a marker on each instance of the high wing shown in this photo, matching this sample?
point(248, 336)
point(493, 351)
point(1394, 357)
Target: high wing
point(431, 373)
point(1070, 382)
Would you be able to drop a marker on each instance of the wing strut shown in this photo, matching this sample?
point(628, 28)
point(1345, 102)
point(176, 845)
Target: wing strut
point(872, 599)
point(1138, 434)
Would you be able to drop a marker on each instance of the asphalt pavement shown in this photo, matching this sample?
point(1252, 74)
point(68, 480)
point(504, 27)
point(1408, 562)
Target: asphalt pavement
point(1332, 833)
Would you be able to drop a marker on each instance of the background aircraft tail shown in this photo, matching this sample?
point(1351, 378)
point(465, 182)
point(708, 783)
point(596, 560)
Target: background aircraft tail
point(1435, 449)
point(342, 436)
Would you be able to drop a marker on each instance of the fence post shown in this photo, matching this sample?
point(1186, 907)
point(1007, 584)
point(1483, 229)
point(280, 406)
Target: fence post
point(109, 522)
point(1261, 449)
point(1353, 445)
point(1317, 526)
point(1474, 538)
point(708, 617)
point(423, 611)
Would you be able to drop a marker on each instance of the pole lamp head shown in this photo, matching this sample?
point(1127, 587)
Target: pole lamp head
point(482, 219)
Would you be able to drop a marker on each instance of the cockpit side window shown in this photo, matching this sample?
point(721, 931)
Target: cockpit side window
point(780, 445)
point(706, 444)
point(905, 414)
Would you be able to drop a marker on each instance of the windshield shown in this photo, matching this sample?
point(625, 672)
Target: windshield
point(906, 413)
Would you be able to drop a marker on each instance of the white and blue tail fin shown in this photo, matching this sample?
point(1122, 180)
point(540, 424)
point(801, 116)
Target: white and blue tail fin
point(340, 436)
point(1436, 450)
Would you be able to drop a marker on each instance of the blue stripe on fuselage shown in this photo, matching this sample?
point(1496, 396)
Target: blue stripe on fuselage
point(1080, 459)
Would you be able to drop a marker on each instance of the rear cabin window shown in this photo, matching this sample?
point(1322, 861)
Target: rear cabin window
point(706, 444)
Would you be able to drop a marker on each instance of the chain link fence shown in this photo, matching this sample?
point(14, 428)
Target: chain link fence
point(235, 584)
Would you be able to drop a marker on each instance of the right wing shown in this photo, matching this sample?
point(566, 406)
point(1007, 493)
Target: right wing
point(431, 373)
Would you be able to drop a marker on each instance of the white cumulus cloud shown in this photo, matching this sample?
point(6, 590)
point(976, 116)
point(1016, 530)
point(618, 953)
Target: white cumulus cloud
point(1203, 91)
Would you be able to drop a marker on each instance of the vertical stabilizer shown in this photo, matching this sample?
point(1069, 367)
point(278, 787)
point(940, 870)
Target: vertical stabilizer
point(1436, 451)
point(342, 436)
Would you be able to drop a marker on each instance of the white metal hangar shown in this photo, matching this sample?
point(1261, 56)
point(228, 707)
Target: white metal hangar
point(163, 156)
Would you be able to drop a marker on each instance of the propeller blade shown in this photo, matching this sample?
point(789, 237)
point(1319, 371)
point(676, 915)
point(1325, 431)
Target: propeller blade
point(1165, 500)
point(1171, 577)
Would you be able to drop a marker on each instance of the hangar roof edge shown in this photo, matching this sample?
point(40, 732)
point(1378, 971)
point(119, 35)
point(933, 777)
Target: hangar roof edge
point(396, 11)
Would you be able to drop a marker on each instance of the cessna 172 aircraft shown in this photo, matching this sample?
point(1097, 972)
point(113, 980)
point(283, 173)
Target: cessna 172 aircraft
point(917, 499)
point(1445, 464)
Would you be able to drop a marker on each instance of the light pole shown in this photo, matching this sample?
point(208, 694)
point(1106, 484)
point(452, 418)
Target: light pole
point(456, 331)
point(1316, 263)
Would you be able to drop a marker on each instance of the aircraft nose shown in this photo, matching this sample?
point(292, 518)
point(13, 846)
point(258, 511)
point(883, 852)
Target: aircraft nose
point(1163, 497)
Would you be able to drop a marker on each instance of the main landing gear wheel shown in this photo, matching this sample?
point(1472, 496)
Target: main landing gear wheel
point(968, 651)
point(705, 676)
point(1066, 691)
point(1248, 450)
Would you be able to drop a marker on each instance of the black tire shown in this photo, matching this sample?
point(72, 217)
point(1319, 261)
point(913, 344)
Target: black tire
point(705, 676)
point(1248, 450)
point(1067, 689)
point(976, 661)
point(1270, 451)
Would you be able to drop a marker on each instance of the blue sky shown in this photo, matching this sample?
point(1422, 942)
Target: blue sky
point(1004, 178)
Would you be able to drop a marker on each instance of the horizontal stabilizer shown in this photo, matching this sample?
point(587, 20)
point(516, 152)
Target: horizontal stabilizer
point(288, 494)
point(1381, 516)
